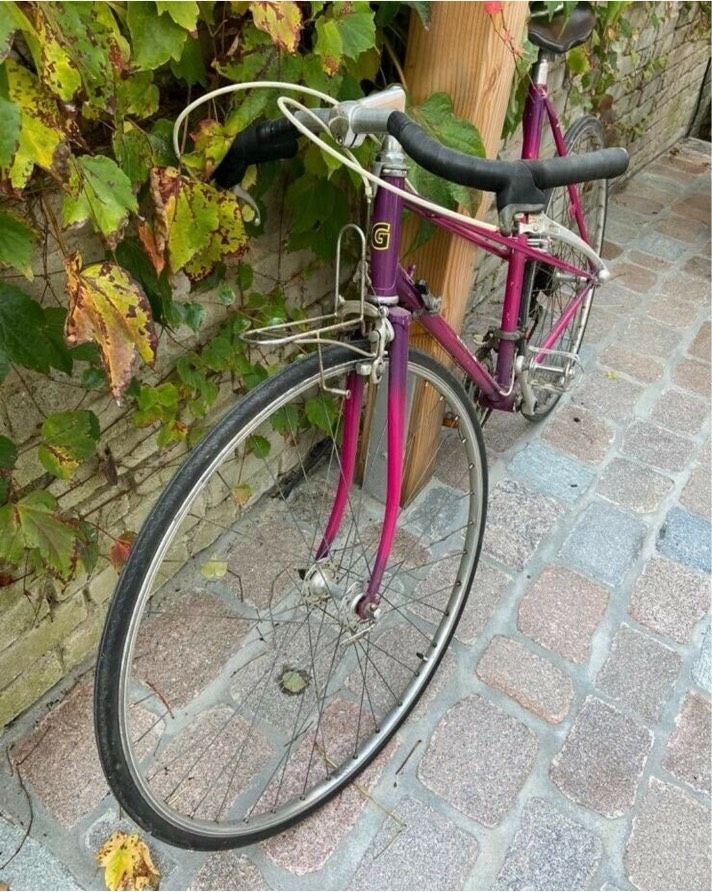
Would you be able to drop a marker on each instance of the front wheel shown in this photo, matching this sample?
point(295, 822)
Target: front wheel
point(234, 694)
point(547, 294)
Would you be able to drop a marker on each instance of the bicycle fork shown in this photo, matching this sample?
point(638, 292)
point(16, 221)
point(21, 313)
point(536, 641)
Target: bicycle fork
point(400, 319)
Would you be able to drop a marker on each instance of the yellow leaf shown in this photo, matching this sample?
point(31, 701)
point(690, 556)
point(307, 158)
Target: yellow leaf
point(611, 375)
point(281, 20)
point(228, 239)
point(242, 494)
point(214, 568)
point(42, 130)
point(127, 863)
point(107, 306)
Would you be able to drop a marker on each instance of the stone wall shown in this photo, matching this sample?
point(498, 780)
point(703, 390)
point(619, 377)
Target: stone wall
point(46, 631)
point(656, 100)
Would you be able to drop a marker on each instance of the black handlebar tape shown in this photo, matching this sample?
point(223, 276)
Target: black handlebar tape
point(262, 141)
point(603, 164)
point(515, 182)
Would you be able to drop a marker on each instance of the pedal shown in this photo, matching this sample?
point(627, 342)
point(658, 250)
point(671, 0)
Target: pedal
point(557, 371)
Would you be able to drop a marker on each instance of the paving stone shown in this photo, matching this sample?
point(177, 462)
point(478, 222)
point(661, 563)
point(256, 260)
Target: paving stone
point(677, 284)
point(307, 846)
point(656, 446)
point(702, 667)
point(485, 594)
point(549, 851)
point(699, 265)
point(668, 847)
point(59, 759)
point(691, 374)
point(696, 494)
point(600, 324)
point(648, 336)
point(561, 611)
point(678, 312)
point(228, 870)
point(580, 433)
point(552, 473)
point(688, 754)
point(662, 245)
point(639, 674)
point(602, 759)
point(682, 228)
point(604, 543)
point(679, 411)
point(669, 598)
point(517, 521)
point(632, 276)
point(609, 395)
point(27, 864)
point(701, 347)
point(478, 759)
point(532, 681)
point(504, 430)
point(686, 538)
point(169, 663)
point(629, 362)
point(633, 486)
point(417, 848)
point(649, 261)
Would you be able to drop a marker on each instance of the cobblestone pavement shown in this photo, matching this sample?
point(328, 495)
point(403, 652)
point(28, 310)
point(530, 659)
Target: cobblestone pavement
point(568, 742)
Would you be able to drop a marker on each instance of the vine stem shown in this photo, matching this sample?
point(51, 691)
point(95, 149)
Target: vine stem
point(56, 229)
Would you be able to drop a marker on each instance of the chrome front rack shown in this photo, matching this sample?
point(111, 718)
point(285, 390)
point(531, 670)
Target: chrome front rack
point(347, 315)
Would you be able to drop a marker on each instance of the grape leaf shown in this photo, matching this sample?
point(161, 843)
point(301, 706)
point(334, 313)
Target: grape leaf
point(25, 334)
point(137, 95)
point(423, 10)
point(10, 122)
point(67, 439)
point(282, 21)
point(92, 50)
point(8, 457)
point(42, 131)
point(323, 412)
point(120, 550)
point(106, 305)
point(134, 152)
point(191, 66)
point(16, 242)
point(347, 30)
point(329, 45)
point(155, 37)
point(183, 12)
point(259, 446)
point(7, 32)
point(186, 214)
point(101, 192)
point(156, 286)
point(228, 239)
point(127, 863)
point(32, 523)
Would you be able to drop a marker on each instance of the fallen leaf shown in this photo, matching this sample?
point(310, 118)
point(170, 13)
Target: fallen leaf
point(214, 568)
point(108, 306)
point(127, 863)
point(612, 375)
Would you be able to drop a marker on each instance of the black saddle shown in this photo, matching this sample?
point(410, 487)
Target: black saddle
point(561, 34)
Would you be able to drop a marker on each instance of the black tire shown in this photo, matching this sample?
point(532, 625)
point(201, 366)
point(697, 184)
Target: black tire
point(110, 664)
point(585, 134)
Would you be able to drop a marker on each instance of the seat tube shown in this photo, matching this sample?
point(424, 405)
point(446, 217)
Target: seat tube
point(534, 109)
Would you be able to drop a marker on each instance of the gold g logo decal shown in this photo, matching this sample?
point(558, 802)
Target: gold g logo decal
point(380, 236)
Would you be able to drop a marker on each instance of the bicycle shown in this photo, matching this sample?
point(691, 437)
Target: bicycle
point(295, 586)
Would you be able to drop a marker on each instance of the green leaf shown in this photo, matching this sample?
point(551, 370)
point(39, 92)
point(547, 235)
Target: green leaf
point(187, 215)
point(191, 66)
point(155, 37)
point(281, 20)
point(10, 122)
point(242, 494)
point(183, 12)
point(16, 242)
point(259, 446)
point(137, 95)
point(577, 61)
point(226, 296)
point(32, 524)
point(8, 457)
point(25, 338)
point(329, 45)
point(100, 192)
point(7, 33)
point(356, 27)
point(423, 9)
point(228, 238)
point(57, 70)
point(287, 421)
point(323, 412)
point(67, 439)
point(134, 152)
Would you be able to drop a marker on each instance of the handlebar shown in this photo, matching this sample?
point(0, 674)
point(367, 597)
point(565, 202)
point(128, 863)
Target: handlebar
point(520, 184)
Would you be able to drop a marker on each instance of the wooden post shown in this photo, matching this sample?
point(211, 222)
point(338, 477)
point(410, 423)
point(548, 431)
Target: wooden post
point(464, 55)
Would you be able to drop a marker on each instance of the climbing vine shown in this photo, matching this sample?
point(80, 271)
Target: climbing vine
point(88, 95)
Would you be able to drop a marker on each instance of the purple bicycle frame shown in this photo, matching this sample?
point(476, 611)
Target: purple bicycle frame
point(391, 284)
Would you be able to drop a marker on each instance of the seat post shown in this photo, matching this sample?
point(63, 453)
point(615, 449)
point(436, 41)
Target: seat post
point(540, 69)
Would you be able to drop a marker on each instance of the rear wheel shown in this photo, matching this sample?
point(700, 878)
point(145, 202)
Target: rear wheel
point(548, 292)
point(234, 692)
